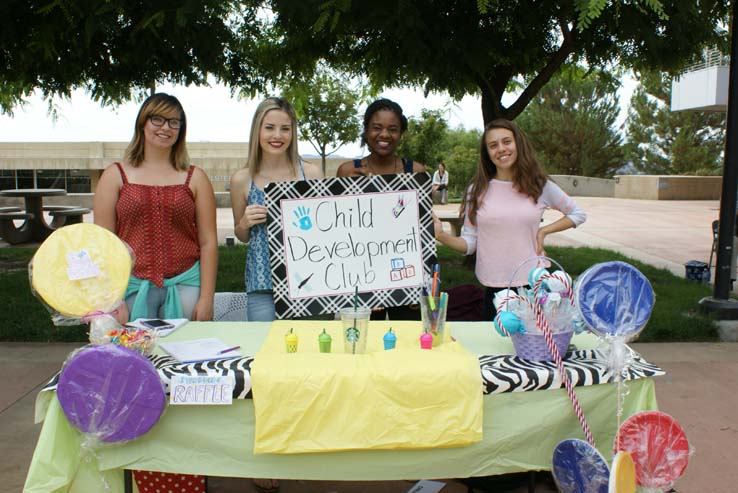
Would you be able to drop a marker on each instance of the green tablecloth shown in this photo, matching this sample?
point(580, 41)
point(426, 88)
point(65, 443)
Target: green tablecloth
point(520, 432)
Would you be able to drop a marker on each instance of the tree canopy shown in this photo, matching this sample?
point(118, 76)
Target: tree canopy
point(456, 46)
point(665, 142)
point(116, 49)
point(572, 124)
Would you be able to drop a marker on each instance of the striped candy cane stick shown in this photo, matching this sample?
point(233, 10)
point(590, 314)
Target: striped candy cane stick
point(565, 282)
point(503, 304)
point(543, 325)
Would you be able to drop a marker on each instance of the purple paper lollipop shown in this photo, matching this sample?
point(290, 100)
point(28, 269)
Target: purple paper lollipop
point(111, 392)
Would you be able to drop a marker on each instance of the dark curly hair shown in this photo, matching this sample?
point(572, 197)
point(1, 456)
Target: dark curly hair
point(380, 105)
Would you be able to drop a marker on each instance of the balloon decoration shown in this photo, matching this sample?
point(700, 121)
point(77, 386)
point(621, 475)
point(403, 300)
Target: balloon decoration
point(110, 392)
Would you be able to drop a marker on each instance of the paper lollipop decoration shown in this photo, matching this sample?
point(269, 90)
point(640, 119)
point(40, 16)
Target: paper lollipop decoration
point(578, 467)
point(615, 299)
point(658, 446)
point(81, 269)
point(622, 474)
point(111, 393)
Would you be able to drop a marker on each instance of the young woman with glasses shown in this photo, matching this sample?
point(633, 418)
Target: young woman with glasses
point(164, 208)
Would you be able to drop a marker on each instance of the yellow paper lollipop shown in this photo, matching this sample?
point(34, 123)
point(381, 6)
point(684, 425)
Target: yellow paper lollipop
point(81, 268)
point(622, 474)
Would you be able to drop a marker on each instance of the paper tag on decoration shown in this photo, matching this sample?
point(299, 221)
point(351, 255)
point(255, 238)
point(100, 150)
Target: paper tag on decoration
point(201, 390)
point(81, 266)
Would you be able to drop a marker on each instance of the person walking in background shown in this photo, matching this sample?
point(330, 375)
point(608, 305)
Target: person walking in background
point(384, 124)
point(273, 157)
point(503, 208)
point(164, 208)
point(440, 182)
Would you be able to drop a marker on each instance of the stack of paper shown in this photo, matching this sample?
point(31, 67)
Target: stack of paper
point(199, 350)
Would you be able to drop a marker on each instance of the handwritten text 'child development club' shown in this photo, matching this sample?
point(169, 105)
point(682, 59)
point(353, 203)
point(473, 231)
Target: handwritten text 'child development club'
point(349, 257)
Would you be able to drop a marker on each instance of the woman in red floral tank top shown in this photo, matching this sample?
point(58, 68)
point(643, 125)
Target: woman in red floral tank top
point(164, 208)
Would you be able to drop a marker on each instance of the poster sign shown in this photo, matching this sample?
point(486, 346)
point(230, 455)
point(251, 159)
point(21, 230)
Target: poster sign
point(328, 237)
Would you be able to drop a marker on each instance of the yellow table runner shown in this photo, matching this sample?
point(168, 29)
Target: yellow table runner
point(408, 398)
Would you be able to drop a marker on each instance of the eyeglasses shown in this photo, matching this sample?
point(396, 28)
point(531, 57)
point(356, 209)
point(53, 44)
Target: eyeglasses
point(158, 121)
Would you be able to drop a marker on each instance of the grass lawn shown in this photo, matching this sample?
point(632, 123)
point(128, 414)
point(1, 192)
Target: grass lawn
point(675, 316)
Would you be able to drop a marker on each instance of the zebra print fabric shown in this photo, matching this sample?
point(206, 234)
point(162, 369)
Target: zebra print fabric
point(500, 373)
point(240, 368)
point(168, 366)
point(507, 373)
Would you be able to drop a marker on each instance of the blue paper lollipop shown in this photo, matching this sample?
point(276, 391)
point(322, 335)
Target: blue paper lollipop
point(615, 299)
point(579, 468)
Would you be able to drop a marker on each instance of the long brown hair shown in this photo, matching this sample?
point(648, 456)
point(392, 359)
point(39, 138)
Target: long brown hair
point(528, 176)
point(159, 104)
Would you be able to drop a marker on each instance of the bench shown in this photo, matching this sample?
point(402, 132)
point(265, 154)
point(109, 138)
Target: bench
point(452, 218)
point(10, 209)
point(9, 232)
point(65, 215)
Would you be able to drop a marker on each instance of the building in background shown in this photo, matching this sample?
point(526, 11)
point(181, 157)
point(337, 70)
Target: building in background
point(77, 166)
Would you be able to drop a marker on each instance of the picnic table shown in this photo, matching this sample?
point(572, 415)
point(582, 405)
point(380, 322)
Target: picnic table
point(35, 228)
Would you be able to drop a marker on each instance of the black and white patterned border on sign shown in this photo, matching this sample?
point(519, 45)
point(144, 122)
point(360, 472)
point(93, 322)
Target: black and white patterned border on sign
point(328, 236)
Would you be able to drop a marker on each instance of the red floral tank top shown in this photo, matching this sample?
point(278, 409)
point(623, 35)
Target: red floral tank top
point(158, 222)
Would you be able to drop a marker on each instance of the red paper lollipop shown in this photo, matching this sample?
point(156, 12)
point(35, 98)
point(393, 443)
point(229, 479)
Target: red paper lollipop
point(658, 446)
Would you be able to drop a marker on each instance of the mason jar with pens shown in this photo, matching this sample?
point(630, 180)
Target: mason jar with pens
point(433, 305)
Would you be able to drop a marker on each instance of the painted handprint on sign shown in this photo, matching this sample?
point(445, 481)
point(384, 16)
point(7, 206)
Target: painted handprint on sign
point(303, 218)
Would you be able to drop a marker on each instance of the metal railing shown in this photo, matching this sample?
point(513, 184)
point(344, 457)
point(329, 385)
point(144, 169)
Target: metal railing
point(710, 58)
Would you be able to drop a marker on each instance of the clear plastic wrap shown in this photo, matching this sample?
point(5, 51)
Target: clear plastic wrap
point(105, 329)
point(79, 272)
point(549, 300)
point(578, 467)
point(110, 393)
point(615, 299)
point(658, 447)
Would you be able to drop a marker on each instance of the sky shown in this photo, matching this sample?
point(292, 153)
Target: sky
point(213, 115)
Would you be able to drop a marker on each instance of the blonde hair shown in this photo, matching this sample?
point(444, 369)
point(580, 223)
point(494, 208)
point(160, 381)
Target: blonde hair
point(159, 104)
point(269, 104)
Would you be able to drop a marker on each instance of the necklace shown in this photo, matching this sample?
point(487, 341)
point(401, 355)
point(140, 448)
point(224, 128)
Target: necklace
point(372, 171)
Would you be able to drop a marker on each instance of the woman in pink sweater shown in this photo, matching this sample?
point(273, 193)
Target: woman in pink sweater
point(503, 209)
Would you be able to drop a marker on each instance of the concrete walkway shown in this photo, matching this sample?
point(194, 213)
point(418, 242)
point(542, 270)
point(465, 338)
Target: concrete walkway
point(698, 389)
